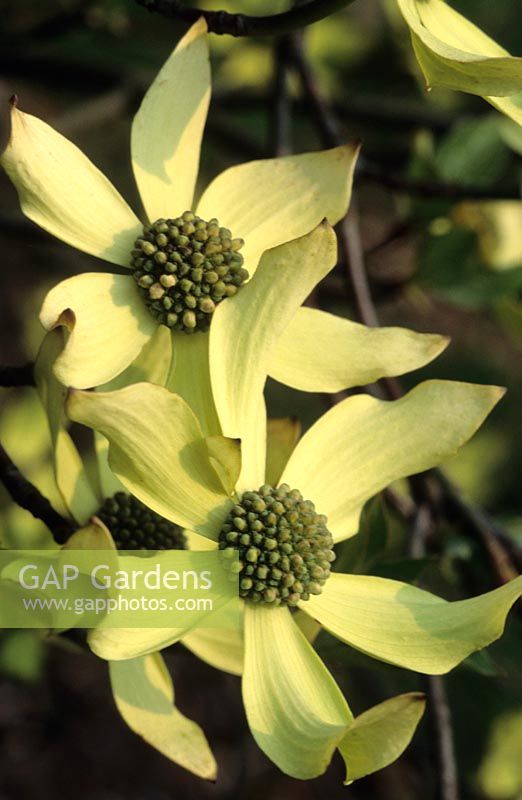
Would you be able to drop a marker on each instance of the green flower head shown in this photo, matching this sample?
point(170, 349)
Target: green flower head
point(185, 258)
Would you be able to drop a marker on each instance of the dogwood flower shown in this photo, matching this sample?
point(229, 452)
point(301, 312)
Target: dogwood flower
point(184, 258)
point(285, 526)
point(142, 687)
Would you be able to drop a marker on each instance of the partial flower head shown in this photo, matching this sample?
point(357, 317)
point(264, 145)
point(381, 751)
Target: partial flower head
point(285, 521)
point(110, 518)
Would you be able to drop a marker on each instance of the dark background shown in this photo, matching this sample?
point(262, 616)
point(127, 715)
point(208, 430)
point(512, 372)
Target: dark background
point(83, 66)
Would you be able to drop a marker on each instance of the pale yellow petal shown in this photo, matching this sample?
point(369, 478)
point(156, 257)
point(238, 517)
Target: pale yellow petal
point(152, 364)
point(282, 435)
point(108, 325)
point(455, 53)
point(268, 203)
point(144, 696)
point(158, 452)
point(121, 644)
point(339, 354)
point(244, 331)
point(65, 194)
point(378, 736)
point(407, 626)
point(222, 648)
point(167, 130)
point(190, 378)
point(72, 480)
point(363, 444)
point(295, 710)
point(93, 536)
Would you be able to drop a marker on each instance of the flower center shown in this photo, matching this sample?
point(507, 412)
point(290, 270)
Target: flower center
point(133, 526)
point(285, 548)
point(184, 267)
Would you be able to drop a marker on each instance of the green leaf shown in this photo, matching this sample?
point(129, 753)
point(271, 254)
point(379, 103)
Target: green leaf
point(358, 554)
point(401, 569)
point(482, 663)
point(473, 152)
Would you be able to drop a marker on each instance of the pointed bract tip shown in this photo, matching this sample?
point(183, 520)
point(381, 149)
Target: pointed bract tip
point(418, 696)
point(13, 101)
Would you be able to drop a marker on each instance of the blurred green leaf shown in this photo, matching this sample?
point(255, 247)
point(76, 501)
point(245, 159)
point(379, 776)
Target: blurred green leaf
point(401, 569)
point(482, 663)
point(473, 152)
point(21, 655)
point(356, 555)
point(450, 264)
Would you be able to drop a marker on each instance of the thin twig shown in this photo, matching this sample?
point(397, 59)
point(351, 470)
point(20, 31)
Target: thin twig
point(17, 376)
point(349, 233)
point(479, 522)
point(438, 702)
point(27, 496)
point(280, 135)
point(421, 530)
point(441, 713)
point(222, 22)
point(351, 245)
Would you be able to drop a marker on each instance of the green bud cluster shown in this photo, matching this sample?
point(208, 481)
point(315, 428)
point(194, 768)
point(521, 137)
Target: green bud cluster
point(133, 526)
point(285, 548)
point(184, 267)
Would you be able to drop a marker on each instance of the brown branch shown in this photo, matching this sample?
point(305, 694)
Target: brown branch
point(484, 528)
point(27, 496)
point(441, 715)
point(222, 22)
point(280, 121)
point(17, 376)
point(349, 233)
point(438, 705)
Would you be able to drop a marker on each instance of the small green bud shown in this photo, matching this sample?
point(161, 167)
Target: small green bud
point(168, 280)
point(189, 320)
point(207, 305)
point(156, 291)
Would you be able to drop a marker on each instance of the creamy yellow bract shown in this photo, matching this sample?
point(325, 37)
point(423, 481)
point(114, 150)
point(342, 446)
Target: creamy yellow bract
point(295, 709)
point(454, 53)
